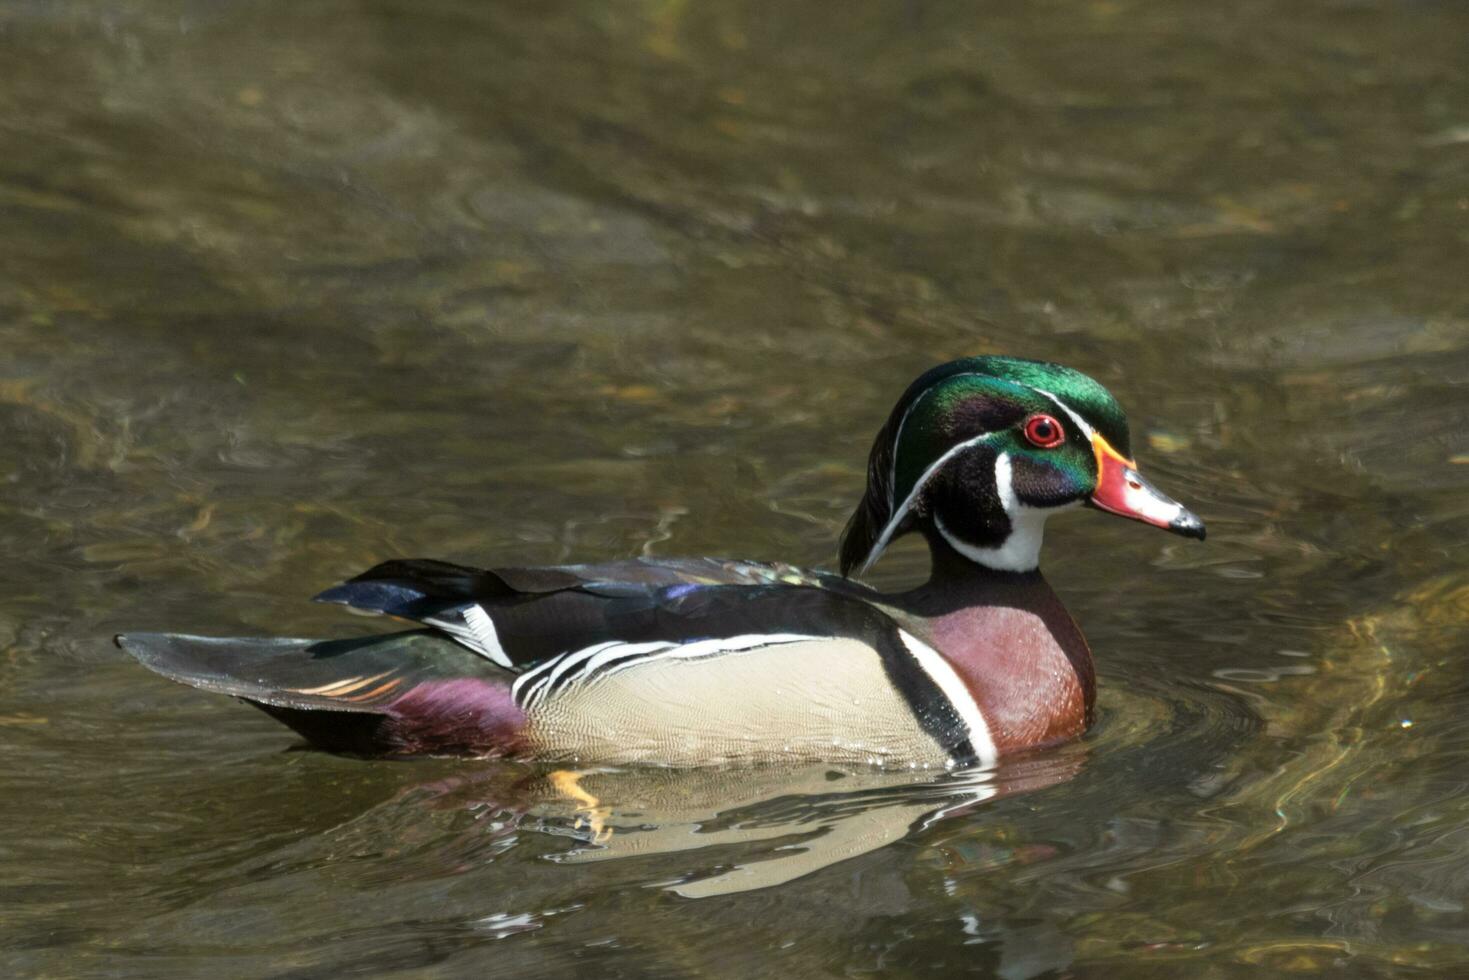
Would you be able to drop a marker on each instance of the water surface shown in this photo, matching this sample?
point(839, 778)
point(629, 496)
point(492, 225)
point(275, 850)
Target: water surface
point(290, 288)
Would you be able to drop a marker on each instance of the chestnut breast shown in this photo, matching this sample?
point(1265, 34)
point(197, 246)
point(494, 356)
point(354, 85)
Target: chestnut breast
point(1027, 665)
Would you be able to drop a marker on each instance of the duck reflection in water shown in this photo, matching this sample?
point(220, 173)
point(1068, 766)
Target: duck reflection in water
point(738, 829)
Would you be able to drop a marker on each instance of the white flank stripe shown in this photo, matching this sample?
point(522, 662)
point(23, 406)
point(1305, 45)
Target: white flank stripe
point(708, 648)
point(572, 668)
point(954, 689)
point(545, 667)
point(535, 682)
point(901, 512)
point(575, 660)
point(587, 665)
point(482, 627)
point(616, 651)
point(526, 689)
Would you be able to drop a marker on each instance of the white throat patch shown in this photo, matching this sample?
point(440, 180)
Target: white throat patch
point(1021, 551)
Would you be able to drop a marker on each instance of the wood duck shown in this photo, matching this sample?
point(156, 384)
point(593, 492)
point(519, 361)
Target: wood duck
point(686, 662)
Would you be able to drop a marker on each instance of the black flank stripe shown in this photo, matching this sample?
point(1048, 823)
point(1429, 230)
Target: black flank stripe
point(929, 705)
point(531, 691)
point(627, 660)
point(582, 673)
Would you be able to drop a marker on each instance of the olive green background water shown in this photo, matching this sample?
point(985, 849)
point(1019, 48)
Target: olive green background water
point(288, 288)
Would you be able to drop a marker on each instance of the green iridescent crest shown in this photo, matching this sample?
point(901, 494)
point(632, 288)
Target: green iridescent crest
point(1081, 393)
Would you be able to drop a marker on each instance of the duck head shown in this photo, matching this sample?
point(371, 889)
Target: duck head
point(979, 452)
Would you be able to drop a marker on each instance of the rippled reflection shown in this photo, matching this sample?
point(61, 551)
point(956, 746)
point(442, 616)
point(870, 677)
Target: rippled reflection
point(728, 831)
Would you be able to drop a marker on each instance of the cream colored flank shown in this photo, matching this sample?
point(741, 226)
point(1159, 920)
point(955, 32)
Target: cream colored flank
point(826, 699)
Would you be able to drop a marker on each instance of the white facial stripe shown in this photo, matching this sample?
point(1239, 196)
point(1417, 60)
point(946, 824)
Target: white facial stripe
point(898, 438)
point(893, 470)
point(942, 673)
point(1005, 484)
point(1081, 423)
point(902, 512)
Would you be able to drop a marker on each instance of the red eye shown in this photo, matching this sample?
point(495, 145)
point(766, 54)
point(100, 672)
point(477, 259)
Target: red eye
point(1044, 431)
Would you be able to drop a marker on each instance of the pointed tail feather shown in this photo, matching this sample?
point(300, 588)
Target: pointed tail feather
point(333, 675)
point(395, 694)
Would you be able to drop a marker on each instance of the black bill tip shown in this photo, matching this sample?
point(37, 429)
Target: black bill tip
point(1187, 523)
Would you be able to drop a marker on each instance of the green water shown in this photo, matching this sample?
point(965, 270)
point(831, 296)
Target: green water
point(290, 288)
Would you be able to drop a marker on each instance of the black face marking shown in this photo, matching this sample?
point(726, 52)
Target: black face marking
point(964, 498)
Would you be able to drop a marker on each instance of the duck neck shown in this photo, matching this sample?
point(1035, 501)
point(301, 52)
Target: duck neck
point(1017, 648)
point(957, 582)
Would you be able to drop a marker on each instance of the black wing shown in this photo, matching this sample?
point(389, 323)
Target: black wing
point(517, 617)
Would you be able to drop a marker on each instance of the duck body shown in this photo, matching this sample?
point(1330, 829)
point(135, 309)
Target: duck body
point(688, 662)
point(674, 662)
